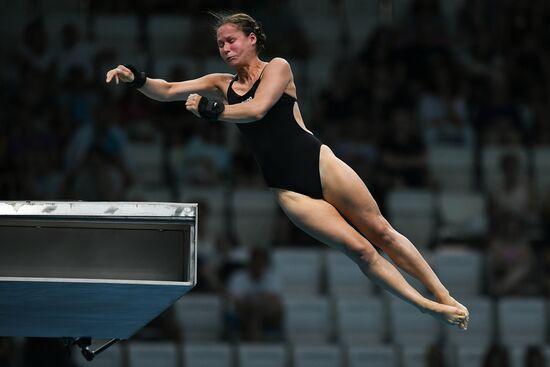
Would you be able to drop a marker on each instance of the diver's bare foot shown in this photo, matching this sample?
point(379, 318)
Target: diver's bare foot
point(450, 301)
point(449, 315)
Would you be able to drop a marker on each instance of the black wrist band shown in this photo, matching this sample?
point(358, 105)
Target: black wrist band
point(210, 110)
point(139, 77)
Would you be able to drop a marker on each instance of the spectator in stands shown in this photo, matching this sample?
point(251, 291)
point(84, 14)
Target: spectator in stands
point(35, 54)
point(424, 34)
point(545, 215)
point(7, 179)
point(245, 171)
point(534, 357)
point(213, 252)
point(287, 234)
point(545, 248)
point(496, 356)
point(198, 49)
point(134, 110)
point(255, 298)
point(101, 143)
point(74, 51)
point(442, 109)
point(98, 178)
point(477, 49)
point(335, 101)
point(513, 195)
point(381, 79)
point(112, 140)
point(177, 126)
point(538, 102)
point(512, 264)
point(205, 158)
point(34, 150)
point(403, 153)
point(45, 177)
point(435, 356)
point(500, 120)
point(78, 102)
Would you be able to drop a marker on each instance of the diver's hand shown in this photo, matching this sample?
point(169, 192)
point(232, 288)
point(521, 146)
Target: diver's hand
point(120, 73)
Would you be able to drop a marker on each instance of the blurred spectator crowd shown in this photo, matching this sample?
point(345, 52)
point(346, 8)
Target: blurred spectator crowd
point(432, 82)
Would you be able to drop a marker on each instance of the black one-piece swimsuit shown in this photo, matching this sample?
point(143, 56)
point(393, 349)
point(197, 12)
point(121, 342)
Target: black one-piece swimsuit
point(287, 154)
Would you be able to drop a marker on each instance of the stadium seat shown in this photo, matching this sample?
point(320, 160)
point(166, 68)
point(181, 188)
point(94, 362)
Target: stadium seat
point(521, 321)
point(207, 355)
point(262, 355)
point(451, 167)
point(323, 355)
point(145, 162)
point(254, 215)
point(470, 356)
point(200, 317)
point(517, 356)
point(299, 270)
point(481, 330)
point(372, 356)
point(344, 278)
point(546, 351)
point(361, 320)
point(413, 356)
point(412, 213)
point(542, 171)
point(463, 216)
point(410, 327)
point(308, 319)
point(147, 354)
point(460, 269)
